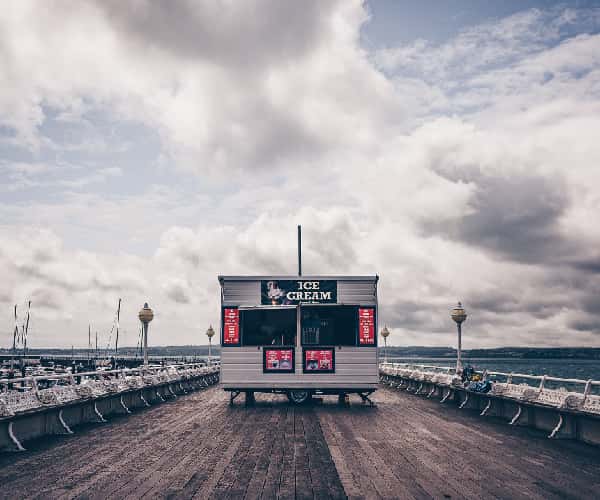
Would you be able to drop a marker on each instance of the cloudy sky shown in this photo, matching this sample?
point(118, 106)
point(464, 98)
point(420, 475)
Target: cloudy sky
point(452, 147)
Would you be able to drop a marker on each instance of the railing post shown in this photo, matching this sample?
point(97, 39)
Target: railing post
point(586, 391)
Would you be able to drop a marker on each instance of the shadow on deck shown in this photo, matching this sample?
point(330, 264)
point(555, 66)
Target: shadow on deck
point(198, 446)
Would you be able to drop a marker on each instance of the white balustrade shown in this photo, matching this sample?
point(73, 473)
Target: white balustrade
point(20, 401)
point(553, 397)
point(93, 385)
point(557, 398)
point(592, 405)
point(5, 410)
point(84, 391)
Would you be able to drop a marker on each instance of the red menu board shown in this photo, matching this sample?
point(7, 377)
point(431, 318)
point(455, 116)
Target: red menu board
point(231, 326)
point(366, 326)
point(318, 360)
point(278, 360)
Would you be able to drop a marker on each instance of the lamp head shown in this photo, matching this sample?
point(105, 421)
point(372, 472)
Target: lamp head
point(458, 314)
point(210, 332)
point(146, 314)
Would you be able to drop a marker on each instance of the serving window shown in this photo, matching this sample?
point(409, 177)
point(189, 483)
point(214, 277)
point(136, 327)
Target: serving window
point(329, 325)
point(261, 327)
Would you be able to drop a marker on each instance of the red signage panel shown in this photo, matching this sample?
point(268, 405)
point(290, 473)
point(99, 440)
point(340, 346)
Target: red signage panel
point(366, 326)
point(319, 360)
point(231, 326)
point(278, 360)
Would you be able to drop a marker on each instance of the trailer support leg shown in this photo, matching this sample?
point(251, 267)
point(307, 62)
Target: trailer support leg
point(233, 395)
point(366, 399)
point(343, 399)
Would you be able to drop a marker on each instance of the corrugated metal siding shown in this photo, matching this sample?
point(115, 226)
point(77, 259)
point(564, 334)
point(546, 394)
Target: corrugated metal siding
point(355, 368)
point(241, 293)
point(357, 292)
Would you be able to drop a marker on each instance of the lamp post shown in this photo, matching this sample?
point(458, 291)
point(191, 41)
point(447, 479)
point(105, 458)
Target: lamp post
point(146, 315)
point(209, 333)
point(458, 314)
point(384, 333)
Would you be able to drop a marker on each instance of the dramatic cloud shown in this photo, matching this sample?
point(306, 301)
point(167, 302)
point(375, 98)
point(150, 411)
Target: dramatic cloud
point(146, 148)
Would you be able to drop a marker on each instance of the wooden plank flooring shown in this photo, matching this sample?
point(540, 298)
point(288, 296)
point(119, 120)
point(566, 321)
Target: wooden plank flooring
point(199, 447)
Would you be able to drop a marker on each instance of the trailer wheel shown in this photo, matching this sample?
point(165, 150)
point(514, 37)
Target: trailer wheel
point(298, 397)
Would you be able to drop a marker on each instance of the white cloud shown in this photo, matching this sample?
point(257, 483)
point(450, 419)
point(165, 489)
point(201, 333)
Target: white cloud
point(466, 171)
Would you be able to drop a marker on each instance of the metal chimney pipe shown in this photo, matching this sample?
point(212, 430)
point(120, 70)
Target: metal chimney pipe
point(299, 250)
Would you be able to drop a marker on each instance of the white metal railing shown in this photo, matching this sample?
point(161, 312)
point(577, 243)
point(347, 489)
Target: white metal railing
point(582, 400)
point(446, 369)
point(509, 376)
point(103, 373)
point(73, 386)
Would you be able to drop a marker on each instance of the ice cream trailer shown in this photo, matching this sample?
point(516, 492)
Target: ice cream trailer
point(299, 335)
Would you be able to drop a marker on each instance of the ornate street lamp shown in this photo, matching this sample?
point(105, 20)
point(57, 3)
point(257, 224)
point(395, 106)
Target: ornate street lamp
point(210, 333)
point(384, 333)
point(146, 315)
point(458, 314)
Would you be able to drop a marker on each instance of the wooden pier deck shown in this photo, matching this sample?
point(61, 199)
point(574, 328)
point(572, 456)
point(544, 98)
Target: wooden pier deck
point(198, 447)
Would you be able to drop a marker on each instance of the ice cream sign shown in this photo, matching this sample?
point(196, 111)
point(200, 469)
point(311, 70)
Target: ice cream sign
point(291, 292)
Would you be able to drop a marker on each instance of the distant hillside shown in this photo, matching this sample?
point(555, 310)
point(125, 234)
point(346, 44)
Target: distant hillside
point(398, 352)
point(180, 350)
point(498, 352)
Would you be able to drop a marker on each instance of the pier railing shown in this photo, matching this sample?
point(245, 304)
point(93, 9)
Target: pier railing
point(27, 393)
point(34, 406)
point(572, 393)
point(570, 408)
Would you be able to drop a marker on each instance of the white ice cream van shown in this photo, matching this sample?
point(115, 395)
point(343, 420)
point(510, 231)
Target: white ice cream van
point(299, 335)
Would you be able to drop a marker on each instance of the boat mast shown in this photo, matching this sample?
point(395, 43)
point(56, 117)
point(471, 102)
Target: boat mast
point(117, 336)
point(14, 346)
point(26, 329)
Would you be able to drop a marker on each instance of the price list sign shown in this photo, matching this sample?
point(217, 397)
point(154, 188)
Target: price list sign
point(278, 360)
point(366, 326)
point(319, 360)
point(231, 326)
